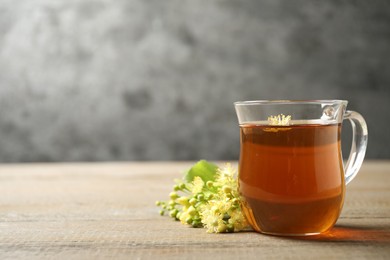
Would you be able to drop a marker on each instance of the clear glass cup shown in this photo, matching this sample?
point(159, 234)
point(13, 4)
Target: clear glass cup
point(291, 173)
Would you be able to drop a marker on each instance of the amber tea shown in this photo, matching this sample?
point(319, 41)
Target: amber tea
point(291, 177)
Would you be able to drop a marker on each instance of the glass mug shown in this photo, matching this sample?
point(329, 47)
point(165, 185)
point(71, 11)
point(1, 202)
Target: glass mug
point(291, 174)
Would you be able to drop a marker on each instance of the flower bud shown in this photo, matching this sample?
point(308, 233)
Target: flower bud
point(192, 201)
point(221, 228)
point(188, 220)
point(173, 195)
point(226, 189)
point(200, 197)
point(209, 196)
point(183, 201)
point(173, 213)
point(196, 223)
point(191, 211)
point(230, 228)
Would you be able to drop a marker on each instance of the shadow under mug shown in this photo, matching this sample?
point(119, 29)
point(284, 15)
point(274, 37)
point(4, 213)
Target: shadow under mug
point(291, 173)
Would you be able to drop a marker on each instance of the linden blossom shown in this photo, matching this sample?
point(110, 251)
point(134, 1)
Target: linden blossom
point(279, 120)
point(208, 198)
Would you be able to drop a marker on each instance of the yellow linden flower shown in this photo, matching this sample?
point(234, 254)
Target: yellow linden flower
point(279, 120)
point(223, 213)
point(212, 218)
point(226, 172)
point(237, 220)
point(184, 216)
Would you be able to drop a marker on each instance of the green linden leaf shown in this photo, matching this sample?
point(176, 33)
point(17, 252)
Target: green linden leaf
point(204, 169)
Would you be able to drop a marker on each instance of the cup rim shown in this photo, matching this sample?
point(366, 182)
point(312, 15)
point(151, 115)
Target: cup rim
point(291, 102)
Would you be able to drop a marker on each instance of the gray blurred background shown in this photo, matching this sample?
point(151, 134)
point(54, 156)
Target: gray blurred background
point(97, 80)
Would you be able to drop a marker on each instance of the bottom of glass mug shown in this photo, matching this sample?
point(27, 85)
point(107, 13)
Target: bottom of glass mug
point(292, 219)
point(290, 234)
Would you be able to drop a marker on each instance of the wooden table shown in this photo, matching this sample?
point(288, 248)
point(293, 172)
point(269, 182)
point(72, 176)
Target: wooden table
point(106, 210)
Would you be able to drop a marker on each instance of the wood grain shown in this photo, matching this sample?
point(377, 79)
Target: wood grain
point(106, 210)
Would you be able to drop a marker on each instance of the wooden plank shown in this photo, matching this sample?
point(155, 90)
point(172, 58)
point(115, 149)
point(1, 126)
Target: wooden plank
point(106, 210)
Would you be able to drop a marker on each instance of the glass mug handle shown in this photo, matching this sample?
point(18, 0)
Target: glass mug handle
point(359, 144)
